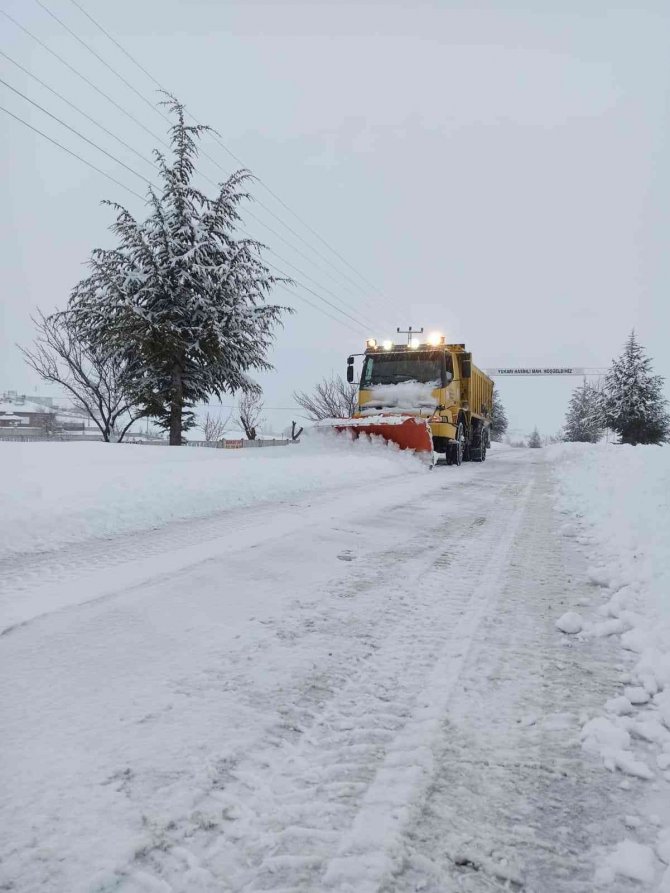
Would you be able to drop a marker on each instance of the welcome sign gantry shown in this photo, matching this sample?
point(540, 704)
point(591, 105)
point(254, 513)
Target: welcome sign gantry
point(559, 371)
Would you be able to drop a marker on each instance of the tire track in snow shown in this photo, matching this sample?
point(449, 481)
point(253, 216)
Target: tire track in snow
point(367, 852)
point(242, 789)
point(302, 817)
point(516, 804)
point(102, 567)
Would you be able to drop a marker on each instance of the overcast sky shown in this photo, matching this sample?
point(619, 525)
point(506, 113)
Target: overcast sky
point(498, 172)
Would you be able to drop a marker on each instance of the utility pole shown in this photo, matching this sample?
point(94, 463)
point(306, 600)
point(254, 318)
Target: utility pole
point(409, 332)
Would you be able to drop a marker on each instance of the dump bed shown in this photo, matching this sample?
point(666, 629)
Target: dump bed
point(479, 393)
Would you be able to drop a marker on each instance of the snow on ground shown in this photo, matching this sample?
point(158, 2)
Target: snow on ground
point(57, 493)
point(355, 686)
point(617, 501)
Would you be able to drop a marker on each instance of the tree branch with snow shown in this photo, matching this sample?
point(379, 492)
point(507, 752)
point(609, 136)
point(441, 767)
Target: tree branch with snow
point(181, 298)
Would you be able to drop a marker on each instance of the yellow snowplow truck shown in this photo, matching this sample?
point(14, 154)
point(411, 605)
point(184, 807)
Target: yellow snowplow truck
point(427, 397)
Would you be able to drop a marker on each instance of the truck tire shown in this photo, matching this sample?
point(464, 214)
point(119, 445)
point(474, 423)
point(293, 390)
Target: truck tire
point(457, 447)
point(478, 447)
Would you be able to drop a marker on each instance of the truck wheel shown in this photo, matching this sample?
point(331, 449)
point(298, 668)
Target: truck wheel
point(478, 448)
point(458, 446)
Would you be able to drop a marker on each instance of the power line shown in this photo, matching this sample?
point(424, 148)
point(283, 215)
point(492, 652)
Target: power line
point(274, 232)
point(362, 322)
point(100, 58)
point(310, 278)
point(316, 294)
point(363, 326)
point(316, 307)
point(128, 189)
point(203, 152)
point(298, 236)
point(114, 158)
point(76, 108)
point(84, 78)
point(230, 153)
point(90, 83)
point(74, 154)
point(80, 135)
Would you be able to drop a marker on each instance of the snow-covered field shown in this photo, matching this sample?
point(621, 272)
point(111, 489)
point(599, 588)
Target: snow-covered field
point(327, 668)
point(57, 493)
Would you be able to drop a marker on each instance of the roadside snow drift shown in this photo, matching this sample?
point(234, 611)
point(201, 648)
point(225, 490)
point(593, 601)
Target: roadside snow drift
point(618, 499)
point(58, 493)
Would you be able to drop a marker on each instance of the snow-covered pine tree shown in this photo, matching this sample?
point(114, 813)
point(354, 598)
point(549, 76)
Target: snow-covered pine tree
point(583, 420)
point(535, 441)
point(180, 298)
point(499, 421)
point(632, 402)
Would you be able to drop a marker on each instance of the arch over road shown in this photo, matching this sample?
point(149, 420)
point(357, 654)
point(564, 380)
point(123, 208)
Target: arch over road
point(559, 371)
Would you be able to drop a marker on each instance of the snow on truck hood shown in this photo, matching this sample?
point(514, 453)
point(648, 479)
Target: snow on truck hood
point(406, 396)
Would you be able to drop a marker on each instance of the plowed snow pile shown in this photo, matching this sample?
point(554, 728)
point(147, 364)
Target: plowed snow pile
point(57, 493)
point(618, 502)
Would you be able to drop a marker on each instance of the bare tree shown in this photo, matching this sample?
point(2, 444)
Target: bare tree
point(249, 412)
point(94, 380)
point(332, 398)
point(214, 427)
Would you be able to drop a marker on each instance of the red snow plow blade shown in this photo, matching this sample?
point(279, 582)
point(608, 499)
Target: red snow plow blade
point(408, 432)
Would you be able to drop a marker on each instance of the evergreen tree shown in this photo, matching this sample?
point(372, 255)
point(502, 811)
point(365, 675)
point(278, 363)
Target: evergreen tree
point(180, 299)
point(499, 421)
point(632, 403)
point(535, 441)
point(583, 420)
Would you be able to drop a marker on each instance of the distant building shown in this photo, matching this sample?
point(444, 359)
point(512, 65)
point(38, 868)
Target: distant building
point(29, 418)
point(32, 415)
point(10, 420)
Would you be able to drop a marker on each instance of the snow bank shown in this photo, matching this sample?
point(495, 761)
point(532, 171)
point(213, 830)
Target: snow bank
point(630, 860)
point(618, 501)
point(58, 493)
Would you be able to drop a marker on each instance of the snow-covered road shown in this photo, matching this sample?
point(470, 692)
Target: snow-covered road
point(357, 690)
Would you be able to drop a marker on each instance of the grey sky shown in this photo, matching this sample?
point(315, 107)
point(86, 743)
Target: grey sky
point(499, 173)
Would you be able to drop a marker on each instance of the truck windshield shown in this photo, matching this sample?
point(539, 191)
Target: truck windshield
point(391, 368)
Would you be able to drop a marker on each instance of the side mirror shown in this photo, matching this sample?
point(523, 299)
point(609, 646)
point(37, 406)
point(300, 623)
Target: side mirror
point(350, 370)
point(445, 378)
point(466, 365)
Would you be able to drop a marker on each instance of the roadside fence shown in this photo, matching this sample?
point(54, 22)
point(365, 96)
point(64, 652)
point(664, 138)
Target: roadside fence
point(43, 438)
point(219, 444)
point(239, 444)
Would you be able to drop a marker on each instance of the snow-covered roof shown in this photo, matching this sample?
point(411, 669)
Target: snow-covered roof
point(6, 406)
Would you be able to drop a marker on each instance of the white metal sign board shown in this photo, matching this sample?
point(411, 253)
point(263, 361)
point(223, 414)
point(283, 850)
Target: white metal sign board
point(540, 370)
